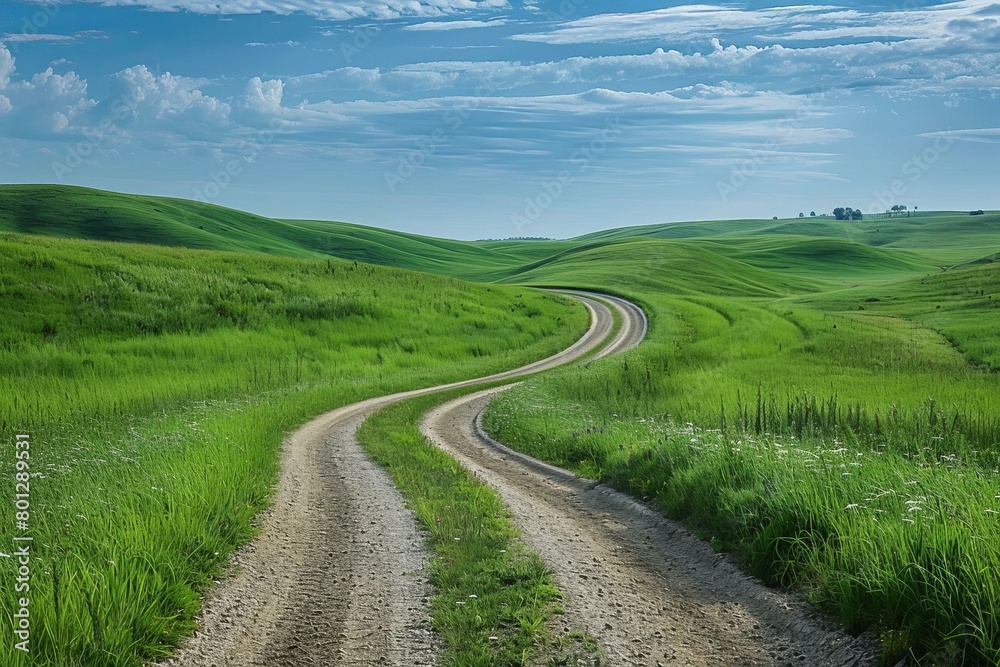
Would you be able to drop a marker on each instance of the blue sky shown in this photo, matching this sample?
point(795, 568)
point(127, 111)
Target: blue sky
point(497, 118)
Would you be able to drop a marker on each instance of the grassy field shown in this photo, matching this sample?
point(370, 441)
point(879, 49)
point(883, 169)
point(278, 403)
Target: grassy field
point(156, 385)
point(838, 430)
point(71, 212)
point(818, 397)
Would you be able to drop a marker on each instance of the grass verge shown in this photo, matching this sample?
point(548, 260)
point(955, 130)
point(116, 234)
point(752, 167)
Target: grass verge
point(837, 443)
point(494, 597)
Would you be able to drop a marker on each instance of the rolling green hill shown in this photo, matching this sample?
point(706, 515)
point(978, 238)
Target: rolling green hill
point(819, 249)
point(813, 394)
point(658, 266)
point(947, 237)
point(71, 212)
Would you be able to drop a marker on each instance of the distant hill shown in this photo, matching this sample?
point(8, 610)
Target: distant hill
point(761, 256)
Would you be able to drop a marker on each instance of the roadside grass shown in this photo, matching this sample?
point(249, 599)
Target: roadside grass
point(157, 386)
point(876, 540)
point(493, 596)
point(851, 453)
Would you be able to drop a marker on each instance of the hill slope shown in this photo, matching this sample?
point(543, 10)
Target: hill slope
point(796, 251)
point(72, 212)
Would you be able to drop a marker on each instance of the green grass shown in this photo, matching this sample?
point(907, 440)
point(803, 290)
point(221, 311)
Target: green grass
point(962, 304)
point(157, 385)
point(493, 597)
point(72, 212)
point(790, 430)
point(947, 237)
point(802, 381)
point(884, 246)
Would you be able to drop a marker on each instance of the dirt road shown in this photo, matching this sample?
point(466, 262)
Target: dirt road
point(335, 577)
point(641, 584)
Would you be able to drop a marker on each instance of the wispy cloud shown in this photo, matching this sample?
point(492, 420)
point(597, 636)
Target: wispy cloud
point(822, 101)
point(327, 9)
point(22, 37)
point(457, 25)
point(985, 135)
point(794, 23)
point(266, 44)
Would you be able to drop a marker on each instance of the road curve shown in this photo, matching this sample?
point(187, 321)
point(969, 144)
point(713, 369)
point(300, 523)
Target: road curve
point(335, 576)
point(641, 584)
point(634, 323)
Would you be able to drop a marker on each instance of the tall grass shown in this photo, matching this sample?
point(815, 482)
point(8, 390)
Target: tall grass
point(852, 454)
point(157, 385)
point(493, 596)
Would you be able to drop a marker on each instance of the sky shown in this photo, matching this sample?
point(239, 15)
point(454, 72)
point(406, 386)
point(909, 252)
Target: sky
point(481, 119)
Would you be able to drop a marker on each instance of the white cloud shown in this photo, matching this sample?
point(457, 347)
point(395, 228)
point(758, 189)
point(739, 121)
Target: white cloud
point(18, 37)
point(261, 105)
point(50, 105)
point(6, 66)
point(168, 103)
point(796, 23)
point(262, 44)
point(263, 97)
point(393, 83)
point(328, 9)
point(47, 104)
point(928, 65)
point(598, 102)
point(456, 25)
point(985, 135)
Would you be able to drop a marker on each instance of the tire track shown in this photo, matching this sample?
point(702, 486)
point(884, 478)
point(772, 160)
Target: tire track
point(641, 584)
point(335, 576)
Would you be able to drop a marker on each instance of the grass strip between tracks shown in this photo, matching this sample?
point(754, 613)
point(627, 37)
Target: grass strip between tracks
point(493, 596)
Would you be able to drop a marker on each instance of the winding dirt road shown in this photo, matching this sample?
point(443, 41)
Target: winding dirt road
point(641, 584)
point(336, 575)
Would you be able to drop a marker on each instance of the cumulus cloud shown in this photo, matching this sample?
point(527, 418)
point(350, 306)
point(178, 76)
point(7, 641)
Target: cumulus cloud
point(6, 66)
point(48, 104)
point(262, 98)
point(45, 105)
point(171, 102)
